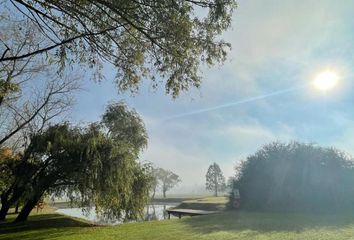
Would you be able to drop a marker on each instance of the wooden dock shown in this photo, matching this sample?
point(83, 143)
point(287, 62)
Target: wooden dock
point(179, 212)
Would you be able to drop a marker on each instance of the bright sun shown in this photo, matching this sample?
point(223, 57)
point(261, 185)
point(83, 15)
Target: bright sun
point(326, 80)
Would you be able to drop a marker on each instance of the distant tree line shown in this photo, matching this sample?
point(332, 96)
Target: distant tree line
point(296, 177)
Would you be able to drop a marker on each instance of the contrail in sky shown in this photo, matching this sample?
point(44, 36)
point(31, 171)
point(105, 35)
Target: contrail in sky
point(232, 104)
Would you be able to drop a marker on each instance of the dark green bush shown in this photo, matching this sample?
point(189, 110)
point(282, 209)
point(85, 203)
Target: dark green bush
point(296, 177)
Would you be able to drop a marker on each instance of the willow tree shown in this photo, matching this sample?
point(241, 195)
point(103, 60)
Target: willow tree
point(142, 39)
point(94, 166)
point(121, 183)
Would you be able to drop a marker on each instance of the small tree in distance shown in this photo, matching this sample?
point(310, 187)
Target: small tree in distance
point(155, 182)
point(215, 180)
point(164, 178)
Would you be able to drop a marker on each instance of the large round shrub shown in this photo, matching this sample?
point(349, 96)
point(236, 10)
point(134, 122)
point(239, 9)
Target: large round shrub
point(296, 177)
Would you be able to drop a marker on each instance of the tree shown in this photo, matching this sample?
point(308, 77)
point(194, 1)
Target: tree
point(155, 181)
point(126, 126)
point(14, 179)
point(296, 177)
point(8, 163)
point(215, 180)
point(94, 166)
point(142, 39)
point(24, 116)
point(32, 93)
point(167, 179)
point(6, 156)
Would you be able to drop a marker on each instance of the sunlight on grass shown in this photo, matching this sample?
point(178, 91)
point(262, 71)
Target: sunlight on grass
point(227, 225)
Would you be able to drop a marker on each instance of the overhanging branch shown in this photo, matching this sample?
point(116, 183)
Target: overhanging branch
point(42, 50)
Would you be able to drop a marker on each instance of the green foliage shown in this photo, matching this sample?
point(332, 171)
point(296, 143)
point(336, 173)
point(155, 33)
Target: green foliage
point(109, 177)
point(215, 181)
point(8, 163)
point(296, 177)
point(112, 180)
point(7, 88)
point(125, 126)
point(143, 39)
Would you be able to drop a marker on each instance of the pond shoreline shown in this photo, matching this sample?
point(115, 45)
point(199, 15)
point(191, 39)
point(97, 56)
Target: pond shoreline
point(156, 201)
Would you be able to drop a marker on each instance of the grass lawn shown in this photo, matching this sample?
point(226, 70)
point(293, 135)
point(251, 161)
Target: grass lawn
point(211, 200)
point(205, 203)
point(227, 225)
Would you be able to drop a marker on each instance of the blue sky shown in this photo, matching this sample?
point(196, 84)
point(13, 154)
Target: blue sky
point(276, 46)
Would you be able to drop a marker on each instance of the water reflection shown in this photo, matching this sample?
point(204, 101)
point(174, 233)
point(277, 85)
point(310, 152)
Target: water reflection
point(152, 212)
point(156, 212)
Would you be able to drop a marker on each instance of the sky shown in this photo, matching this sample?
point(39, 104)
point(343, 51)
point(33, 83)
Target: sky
point(262, 93)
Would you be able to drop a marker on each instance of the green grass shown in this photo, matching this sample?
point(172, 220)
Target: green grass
point(206, 203)
point(226, 225)
point(211, 200)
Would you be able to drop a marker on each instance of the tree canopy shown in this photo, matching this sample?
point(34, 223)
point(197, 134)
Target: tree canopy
point(142, 39)
point(215, 180)
point(296, 177)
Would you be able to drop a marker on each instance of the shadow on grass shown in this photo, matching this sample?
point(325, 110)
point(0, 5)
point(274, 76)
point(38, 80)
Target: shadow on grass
point(263, 222)
point(40, 227)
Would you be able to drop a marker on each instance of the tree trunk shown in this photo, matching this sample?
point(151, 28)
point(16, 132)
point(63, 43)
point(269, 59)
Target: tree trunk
point(26, 209)
point(3, 211)
point(7, 202)
point(164, 212)
point(153, 194)
point(17, 207)
point(164, 190)
point(5, 205)
point(216, 184)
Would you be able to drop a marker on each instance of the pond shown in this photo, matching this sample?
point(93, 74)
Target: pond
point(152, 212)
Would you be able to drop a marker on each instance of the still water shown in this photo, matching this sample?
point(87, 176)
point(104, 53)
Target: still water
point(152, 212)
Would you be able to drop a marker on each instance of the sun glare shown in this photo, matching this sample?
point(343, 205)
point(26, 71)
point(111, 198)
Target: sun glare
point(326, 80)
